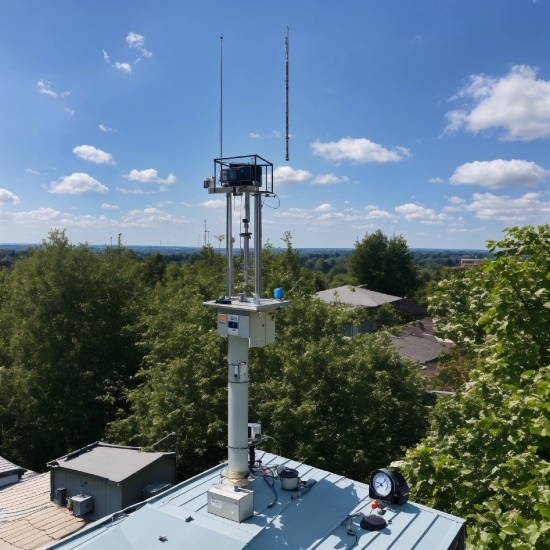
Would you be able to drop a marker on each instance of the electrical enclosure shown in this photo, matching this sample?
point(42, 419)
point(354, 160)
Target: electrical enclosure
point(229, 502)
point(257, 326)
point(82, 504)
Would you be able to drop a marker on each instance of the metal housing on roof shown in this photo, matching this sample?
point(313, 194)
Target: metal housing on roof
point(8, 468)
point(178, 519)
point(110, 462)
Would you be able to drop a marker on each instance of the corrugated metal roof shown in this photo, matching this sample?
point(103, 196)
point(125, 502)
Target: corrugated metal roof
point(29, 520)
point(312, 521)
point(111, 462)
point(8, 468)
point(356, 296)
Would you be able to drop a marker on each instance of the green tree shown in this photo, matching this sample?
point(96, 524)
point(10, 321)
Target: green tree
point(384, 264)
point(66, 348)
point(487, 455)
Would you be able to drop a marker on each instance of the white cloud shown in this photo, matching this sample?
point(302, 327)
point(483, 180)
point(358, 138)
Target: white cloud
point(106, 56)
point(76, 184)
point(136, 191)
point(517, 102)
point(124, 67)
point(31, 171)
point(45, 88)
point(285, 175)
point(7, 197)
point(149, 176)
point(455, 200)
point(41, 215)
point(149, 217)
point(359, 150)
point(487, 206)
point(499, 174)
point(104, 128)
point(417, 213)
point(326, 207)
point(255, 136)
point(214, 203)
point(65, 94)
point(435, 180)
point(327, 179)
point(92, 154)
point(110, 206)
point(380, 215)
point(370, 207)
point(137, 41)
point(70, 111)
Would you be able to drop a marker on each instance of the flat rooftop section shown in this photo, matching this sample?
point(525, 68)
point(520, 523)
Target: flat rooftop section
point(418, 348)
point(29, 520)
point(311, 521)
point(356, 296)
point(110, 462)
point(242, 307)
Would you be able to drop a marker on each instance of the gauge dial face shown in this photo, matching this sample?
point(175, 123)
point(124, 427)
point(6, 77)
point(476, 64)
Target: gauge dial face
point(381, 484)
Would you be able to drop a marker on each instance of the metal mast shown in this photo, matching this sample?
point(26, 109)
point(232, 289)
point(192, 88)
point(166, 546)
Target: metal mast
point(286, 64)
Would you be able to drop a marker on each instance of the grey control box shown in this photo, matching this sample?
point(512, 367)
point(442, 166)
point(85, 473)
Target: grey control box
point(82, 504)
point(230, 502)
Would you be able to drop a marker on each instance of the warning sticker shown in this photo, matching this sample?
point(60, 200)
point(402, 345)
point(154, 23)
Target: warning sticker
point(215, 502)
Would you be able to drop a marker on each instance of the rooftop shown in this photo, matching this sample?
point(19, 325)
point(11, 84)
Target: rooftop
point(8, 468)
point(109, 462)
point(179, 519)
point(418, 348)
point(356, 296)
point(29, 520)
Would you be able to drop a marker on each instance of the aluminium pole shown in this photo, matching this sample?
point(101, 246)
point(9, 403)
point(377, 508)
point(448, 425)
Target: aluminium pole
point(246, 236)
point(229, 245)
point(257, 247)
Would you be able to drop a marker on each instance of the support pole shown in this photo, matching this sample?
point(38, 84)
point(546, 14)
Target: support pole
point(257, 247)
point(237, 426)
point(229, 244)
point(246, 235)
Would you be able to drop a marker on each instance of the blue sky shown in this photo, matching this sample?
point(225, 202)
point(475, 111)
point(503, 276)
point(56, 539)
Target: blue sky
point(430, 119)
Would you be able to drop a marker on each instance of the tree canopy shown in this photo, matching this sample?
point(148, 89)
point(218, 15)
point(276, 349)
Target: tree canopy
point(384, 264)
point(487, 454)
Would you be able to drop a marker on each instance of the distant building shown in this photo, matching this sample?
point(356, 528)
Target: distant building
point(9, 472)
point(469, 261)
point(114, 476)
point(358, 296)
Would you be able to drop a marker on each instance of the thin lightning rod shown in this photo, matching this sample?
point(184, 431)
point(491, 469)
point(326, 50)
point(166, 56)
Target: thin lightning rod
point(221, 96)
point(287, 132)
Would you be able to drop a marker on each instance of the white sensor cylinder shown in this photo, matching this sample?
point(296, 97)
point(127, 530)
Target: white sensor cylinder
point(237, 428)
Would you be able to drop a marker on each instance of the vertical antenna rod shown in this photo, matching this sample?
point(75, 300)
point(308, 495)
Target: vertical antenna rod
point(286, 64)
point(221, 96)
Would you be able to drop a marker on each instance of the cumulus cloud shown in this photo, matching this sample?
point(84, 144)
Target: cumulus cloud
point(416, 213)
point(104, 128)
point(455, 200)
point(519, 103)
point(327, 179)
point(31, 171)
point(435, 180)
point(76, 184)
point(149, 176)
point(487, 206)
point(106, 56)
point(359, 150)
point(380, 215)
point(499, 174)
point(7, 197)
point(214, 203)
point(41, 215)
point(45, 88)
point(109, 206)
point(70, 111)
point(92, 154)
point(285, 175)
point(254, 135)
point(149, 217)
point(326, 207)
point(124, 67)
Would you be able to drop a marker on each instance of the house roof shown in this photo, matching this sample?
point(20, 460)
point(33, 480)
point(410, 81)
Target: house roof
point(29, 520)
point(110, 462)
point(418, 348)
point(313, 520)
point(8, 468)
point(356, 296)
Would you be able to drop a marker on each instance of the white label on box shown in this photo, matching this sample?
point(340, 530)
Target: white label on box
point(216, 503)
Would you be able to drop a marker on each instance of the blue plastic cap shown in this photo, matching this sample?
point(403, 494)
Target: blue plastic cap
point(278, 293)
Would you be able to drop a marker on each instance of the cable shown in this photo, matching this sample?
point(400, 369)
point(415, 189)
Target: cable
point(272, 438)
point(273, 195)
point(272, 485)
point(349, 531)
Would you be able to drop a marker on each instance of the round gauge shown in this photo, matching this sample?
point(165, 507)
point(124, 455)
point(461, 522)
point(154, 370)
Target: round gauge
point(381, 483)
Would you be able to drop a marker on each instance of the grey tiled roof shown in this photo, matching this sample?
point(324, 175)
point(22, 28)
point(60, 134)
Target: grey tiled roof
point(418, 348)
point(8, 468)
